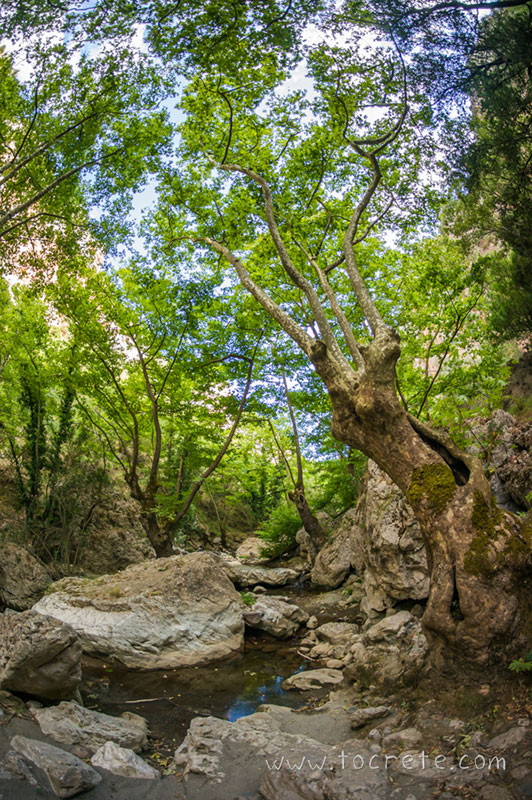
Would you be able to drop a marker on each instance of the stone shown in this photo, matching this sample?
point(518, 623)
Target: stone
point(39, 655)
point(23, 579)
point(72, 724)
point(312, 623)
point(313, 679)
point(124, 762)
point(395, 562)
point(334, 663)
point(276, 617)
point(115, 538)
point(337, 633)
point(341, 554)
point(251, 551)
point(389, 652)
point(509, 739)
point(362, 716)
point(161, 614)
point(406, 739)
point(247, 575)
point(67, 774)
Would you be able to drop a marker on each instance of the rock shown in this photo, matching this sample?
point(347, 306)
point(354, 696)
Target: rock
point(39, 655)
point(161, 614)
point(362, 716)
point(510, 460)
point(246, 575)
point(67, 774)
point(407, 739)
point(334, 663)
point(23, 579)
point(312, 623)
point(121, 761)
point(337, 633)
point(395, 562)
point(73, 724)
point(313, 679)
point(341, 554)
point(509, 739)
point(251, 551)
point(276, 617)
point(389, 652)
point(115, 538)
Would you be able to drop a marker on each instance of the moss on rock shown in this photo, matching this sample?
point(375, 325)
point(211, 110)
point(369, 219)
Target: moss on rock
point(432, 485)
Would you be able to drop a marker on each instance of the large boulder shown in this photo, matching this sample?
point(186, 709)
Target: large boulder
point(251, 551)
point(275, 616)
point(303, 537)
point(381, 541)
point(23, 579)
point(394, 553)
point(115, 538)
point(286, 765)
point(39, 655)
point(88, 730)
point(313, 679)
point(162, 614)
point(67, 775)
point(393, 651)
point(341, 555)
point(247, 575)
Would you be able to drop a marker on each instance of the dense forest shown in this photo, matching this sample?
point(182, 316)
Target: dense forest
point(244, 248)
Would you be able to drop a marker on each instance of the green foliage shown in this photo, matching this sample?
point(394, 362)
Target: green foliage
point(248, 598)
point(279, 531)
point(523, 664)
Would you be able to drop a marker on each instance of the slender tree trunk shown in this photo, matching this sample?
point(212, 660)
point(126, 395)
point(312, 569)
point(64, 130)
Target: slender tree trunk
point(475, 550)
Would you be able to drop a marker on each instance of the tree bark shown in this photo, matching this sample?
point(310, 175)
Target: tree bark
point(476, 551)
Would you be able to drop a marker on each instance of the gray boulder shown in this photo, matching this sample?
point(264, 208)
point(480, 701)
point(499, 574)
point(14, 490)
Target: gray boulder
point(251, 551)
point(124, 762)
point(23, 579)
point(276, 617)
point(39, 655)
point(313, 679)
point(161, 614)
point(391, 651)
point(246, 575)
point(88, 730)
point(66, 774)
point(341, 554)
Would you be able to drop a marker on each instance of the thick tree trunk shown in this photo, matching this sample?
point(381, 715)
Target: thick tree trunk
point(477, 553)
point(159, 538)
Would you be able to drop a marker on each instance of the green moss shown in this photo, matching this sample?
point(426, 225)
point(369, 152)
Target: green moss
point(432, 486)
point(485, 518)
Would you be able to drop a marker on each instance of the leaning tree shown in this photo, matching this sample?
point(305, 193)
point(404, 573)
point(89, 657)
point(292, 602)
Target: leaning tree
point(287, 183)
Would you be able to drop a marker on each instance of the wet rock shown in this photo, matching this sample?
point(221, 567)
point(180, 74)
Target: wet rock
point(66, 774)
point(23, 579)
point(39, 655)
point(124, 762)
point(313, 679)
point(276, 617)
point(389, 652)
point(73, 724)
point(246, 575)
point(362, 716)
point(341, 554)
point(161, 614)
point(251, 551)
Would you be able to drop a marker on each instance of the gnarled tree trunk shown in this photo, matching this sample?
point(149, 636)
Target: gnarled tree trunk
point(476, 551)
